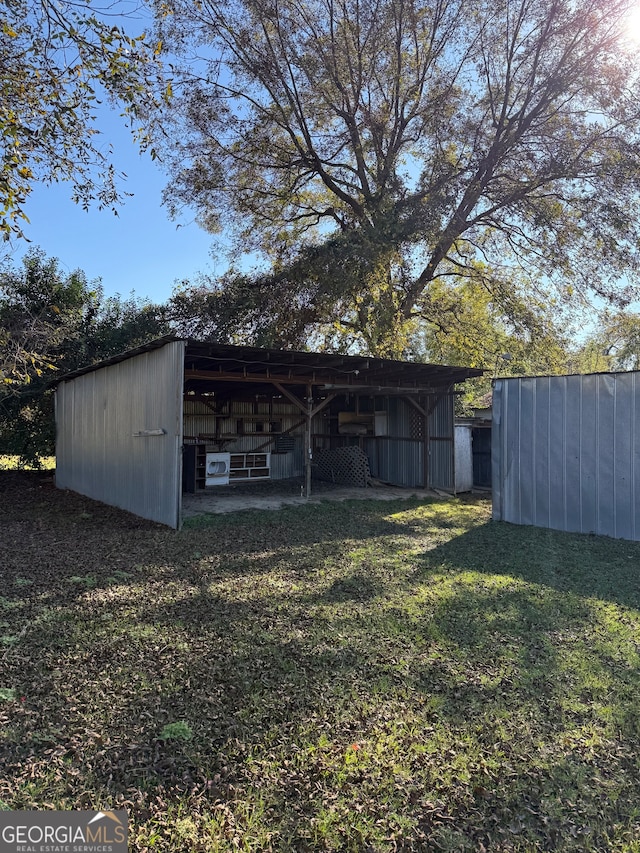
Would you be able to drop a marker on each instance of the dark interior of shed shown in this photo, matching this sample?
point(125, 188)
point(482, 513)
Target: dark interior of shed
point(346, 390)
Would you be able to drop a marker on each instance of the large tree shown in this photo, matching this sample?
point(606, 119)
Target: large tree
point(371, 148)
point(57, 60)
point(612, 344)
point(52, 322)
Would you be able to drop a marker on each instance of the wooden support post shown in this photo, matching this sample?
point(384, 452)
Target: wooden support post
point(310, 412)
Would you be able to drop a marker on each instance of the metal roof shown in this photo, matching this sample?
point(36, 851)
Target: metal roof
point(114, 359)
point(209, 363)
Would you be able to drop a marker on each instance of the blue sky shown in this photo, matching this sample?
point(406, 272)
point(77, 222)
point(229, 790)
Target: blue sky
point(139, 250)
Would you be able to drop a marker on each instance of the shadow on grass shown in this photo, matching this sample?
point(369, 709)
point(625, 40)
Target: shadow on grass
point(589, 566)
point(489, 683)
point(355, 587)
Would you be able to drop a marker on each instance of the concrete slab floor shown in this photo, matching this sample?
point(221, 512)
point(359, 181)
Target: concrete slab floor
point(237, 497)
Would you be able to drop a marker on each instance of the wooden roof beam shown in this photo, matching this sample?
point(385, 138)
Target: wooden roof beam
point(224, 376)
point(429, 410)
point(305, 409)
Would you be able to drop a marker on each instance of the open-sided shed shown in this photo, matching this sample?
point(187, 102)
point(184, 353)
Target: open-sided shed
point(175, 415)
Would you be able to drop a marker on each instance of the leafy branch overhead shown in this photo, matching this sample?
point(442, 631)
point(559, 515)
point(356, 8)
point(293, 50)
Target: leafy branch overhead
point(56, 61)
point(456, 139)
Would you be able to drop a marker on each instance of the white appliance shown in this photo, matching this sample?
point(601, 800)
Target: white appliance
point(217, 470)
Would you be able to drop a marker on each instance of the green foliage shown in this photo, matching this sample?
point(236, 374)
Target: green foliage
point(499, 326)
point(58, 60)
point(10, 463)
point(52, 323)
point(86, 581)
point(39, 310)
point(374, 153)
point(176, 731)
point(613, 345)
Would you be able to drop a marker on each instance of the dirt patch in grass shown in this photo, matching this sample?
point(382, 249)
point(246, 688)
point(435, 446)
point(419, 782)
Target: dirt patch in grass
point(355, 676)
point(276, 494)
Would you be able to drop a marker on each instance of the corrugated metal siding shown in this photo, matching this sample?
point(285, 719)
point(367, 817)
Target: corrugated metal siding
point(565, 453)
point(321, 424)
point(464, 458)
point(283, 465)
point(441, 449)
point(397, 462)
point(481, 451)
point(395, 458)
point(199, 420)
point(290, 464)
point(400, 415)
point(399, 458)
point(195, 425)
point(97, 415)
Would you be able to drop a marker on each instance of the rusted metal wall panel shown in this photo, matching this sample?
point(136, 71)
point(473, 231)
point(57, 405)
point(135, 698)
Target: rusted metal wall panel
point(99, 451)
point(565, 453)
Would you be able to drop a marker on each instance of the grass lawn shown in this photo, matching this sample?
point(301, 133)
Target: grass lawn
point(363, 676)
point(12, 463)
